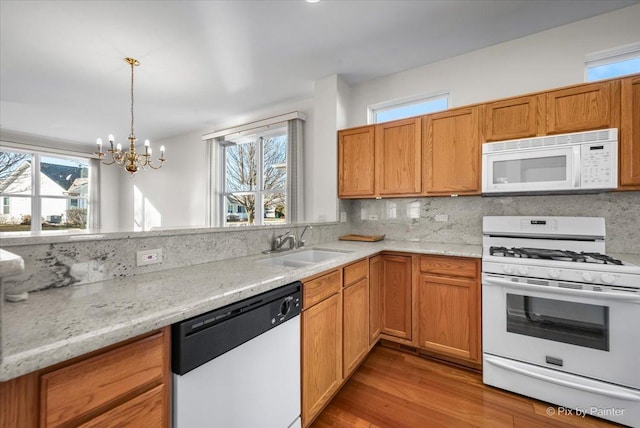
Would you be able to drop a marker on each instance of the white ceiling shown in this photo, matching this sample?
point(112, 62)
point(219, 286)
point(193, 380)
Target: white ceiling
point(203, 62)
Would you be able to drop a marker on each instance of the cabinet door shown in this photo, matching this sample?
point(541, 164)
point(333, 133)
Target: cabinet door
point(397, 296)
point(630, 134)
point(583, 108)
point(448, 317)
point(452, 152)
point(355, 324)
point(356, 154)
point(398, 157)
point(514, 118)
point(321, 355)
point(375, 298)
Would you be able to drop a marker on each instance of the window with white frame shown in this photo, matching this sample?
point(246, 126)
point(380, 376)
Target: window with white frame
point(408, 107)
point(255, 178)
point(50, 187)
point(612, 63)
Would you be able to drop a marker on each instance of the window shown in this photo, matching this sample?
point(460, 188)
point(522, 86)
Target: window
point(255, 178)
point(52, 188)
point(613, 63)
point(400, 109)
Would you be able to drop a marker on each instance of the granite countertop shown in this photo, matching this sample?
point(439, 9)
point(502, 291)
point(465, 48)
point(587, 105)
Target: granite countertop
point(58, 324)
point(10, 264)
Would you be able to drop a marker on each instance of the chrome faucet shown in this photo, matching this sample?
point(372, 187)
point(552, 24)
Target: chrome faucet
point(280, 240)
point(300, 240)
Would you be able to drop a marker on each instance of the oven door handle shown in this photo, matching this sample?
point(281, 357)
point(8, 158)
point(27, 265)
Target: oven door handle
point(630, 297)
point(611, 391)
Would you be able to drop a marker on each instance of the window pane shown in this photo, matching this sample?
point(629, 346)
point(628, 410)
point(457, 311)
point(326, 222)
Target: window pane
point(240, 209)
point(275, 162)
point(15, 173)
point(59, 213)
point(241, 167)
point(409, 110)
point(64, 177)
point(614, 69)
point(15, 214)
point(275, 208)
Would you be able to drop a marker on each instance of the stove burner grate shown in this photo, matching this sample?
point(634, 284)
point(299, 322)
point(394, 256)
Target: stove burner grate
point(558, 255)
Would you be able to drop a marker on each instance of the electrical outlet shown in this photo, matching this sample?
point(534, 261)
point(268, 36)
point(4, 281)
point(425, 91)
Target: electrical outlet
point(149, 257)
point(373, 217)
point(343, 217)
point(442, 217)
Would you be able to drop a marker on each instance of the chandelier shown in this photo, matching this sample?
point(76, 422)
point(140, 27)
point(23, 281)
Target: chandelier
point(131, 161)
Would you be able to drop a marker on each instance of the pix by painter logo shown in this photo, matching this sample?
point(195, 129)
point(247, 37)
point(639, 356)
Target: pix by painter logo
point(584, 411)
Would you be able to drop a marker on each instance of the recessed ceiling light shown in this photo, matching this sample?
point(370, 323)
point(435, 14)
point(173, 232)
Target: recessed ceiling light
point(312, 1)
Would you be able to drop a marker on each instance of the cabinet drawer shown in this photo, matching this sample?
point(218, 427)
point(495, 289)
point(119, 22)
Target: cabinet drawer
point(320, 288)
point(356, 271)
point(452, 266)
point(144, 410)
point(84, 387)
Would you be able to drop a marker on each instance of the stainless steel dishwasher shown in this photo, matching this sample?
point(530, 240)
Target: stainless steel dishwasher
point(239, 366)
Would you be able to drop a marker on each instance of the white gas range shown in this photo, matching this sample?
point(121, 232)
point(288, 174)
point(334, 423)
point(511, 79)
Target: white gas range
point(561, 319)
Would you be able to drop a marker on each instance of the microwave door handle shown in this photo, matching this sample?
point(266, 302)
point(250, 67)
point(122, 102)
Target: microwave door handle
point(630, 297)
point(576, 167)
point(612, 391)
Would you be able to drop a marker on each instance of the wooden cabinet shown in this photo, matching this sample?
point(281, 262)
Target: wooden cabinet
point(375, 299)
point(452, 152)
point(321, 357)
point(629, 152)
point(396, 274)
point(583, 108)
point(513, 118)
point(449, 307)
point(355, 315)
point(356, 162)
point(398, 157)
point(119, 386)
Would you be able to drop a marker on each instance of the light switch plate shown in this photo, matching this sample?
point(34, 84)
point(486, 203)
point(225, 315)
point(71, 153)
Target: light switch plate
point(373, 217)
point(149, 257)
point(442, 217)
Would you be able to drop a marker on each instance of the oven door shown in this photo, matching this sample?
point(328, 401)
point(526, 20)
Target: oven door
point(548, 169)
point(589, 333)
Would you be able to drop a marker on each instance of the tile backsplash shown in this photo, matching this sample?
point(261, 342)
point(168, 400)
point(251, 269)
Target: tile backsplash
point(415, 218)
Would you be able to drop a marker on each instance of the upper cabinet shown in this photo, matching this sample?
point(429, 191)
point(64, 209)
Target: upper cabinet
point(398, 158)
point(356, 162)
point(520, 117)
point(630, 134)
point(451, 152)
point(583, 108)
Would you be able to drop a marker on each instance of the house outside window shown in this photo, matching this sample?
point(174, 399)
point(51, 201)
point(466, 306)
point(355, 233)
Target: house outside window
point(51, 188)
point(408, 107)
point(613, 63)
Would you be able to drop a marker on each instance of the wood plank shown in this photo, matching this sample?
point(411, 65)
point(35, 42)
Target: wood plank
point(363, 238)
point(394, 389)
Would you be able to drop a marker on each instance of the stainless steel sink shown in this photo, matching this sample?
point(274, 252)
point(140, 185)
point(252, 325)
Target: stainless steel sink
point(303, 258)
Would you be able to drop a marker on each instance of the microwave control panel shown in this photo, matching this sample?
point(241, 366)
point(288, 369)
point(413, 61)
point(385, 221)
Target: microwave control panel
point(599, 165)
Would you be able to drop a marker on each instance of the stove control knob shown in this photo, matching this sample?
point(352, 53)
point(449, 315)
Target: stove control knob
point(523, 270)
point(554, 273)
point(587, 276)
point(507, 269)
point(607, 278)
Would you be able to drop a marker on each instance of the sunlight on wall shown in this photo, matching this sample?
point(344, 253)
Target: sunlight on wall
point(145, 215)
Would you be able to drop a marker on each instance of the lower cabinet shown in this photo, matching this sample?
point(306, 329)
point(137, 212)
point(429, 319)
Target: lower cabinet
point(449, 307)
point(396, 296)
point(355, 316)
point(125, 385)
point(321, 357)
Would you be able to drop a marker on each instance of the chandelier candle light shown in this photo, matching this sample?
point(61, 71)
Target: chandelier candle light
point(130, 160)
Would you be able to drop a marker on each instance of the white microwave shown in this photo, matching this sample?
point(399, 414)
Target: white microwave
point(566, 163)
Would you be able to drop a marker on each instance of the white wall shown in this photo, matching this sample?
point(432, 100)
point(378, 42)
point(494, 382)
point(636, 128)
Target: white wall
point(541, 61)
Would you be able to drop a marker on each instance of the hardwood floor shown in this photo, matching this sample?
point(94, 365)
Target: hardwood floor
point(394, 389)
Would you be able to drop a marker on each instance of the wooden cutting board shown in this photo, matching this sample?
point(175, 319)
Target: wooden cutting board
point(365, 238)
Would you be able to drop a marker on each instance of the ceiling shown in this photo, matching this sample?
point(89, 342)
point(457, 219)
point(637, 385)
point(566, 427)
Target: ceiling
point(204, 62)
